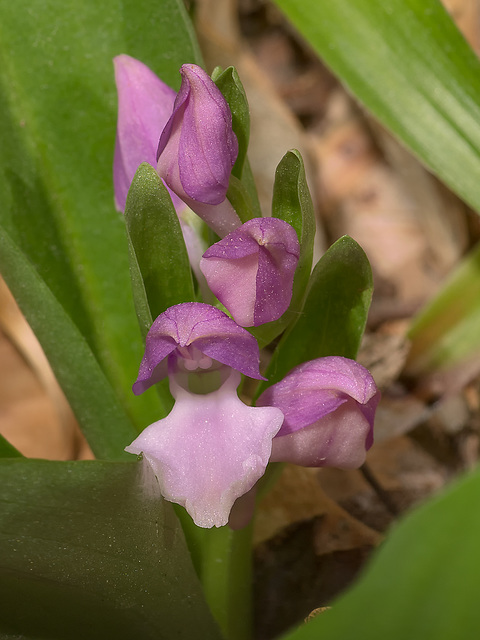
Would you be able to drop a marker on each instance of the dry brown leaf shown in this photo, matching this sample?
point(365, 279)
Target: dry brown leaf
point(34, 414)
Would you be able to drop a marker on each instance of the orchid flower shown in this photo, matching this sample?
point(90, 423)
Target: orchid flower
point(211, 448)
point(251, 270)
point(194, 335)
point(329, 406)
point(198, 149)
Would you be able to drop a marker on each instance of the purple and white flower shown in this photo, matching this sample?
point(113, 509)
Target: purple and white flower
point(210, 450)
point(194, 335)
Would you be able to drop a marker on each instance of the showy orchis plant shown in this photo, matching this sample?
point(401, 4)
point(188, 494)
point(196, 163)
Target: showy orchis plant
point(212, 448)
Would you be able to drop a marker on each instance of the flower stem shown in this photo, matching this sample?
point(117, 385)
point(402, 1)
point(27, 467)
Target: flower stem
point(222, 559)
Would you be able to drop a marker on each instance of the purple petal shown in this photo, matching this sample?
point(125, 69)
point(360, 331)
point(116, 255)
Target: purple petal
point(251, 270)
point(329, 406)
point(145, 104)
point(198, 149)
point(199, 139)
point(337, 440)
point(199, 325)
point(210, 450)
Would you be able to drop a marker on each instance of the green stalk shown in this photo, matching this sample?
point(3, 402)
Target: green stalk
point(223, 561)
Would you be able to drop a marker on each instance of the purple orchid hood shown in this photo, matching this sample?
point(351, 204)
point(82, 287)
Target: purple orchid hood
point(196, 334)
point(145, 104)
point(329, 407)
point(251, 270)
point(198, 149)
point(210, 450)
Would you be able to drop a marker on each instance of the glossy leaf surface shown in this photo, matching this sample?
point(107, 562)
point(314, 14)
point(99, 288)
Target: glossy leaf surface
point(231, 86)
point(157, 242)
point(96, 557)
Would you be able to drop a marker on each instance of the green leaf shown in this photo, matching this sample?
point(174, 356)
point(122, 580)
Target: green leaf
point(335, 313)
point(423, 582)
point(445, 333)
point(87, 552)
point(292, 202)
point(58, 105)
point(101, 417)
point(239, 197)
point(159, 265)
point(157, 246)
point(231, 86)
point(408, 63)
point(7, 450)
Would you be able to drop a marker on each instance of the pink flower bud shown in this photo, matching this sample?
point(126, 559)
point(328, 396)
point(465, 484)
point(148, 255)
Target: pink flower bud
point(198, 149)
point(251, 270)
point(329, 406)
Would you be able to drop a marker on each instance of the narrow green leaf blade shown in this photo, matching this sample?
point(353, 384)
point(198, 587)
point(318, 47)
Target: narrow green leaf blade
point(157, 243)
point(232, 89)
point(333, 318)
point(445, 336)
point(85, 552)
point(408, 63)
point(101, 417)
point(292, 202)
point(423, 582)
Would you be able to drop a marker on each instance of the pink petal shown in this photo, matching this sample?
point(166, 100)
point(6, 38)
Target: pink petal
point(200, 326)
point(337, 440)
point(198, 149)
point(251, 270)
point(145, 104)
point(318, 387)
point(200, 137)
point(329, 407)
point(210, 450)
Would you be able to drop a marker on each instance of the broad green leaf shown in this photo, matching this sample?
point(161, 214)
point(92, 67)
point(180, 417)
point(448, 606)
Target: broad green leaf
point(292, 202)
point(7, 450)
point(446, 332)
point(57, 134)
point(333, 318)
point(158, 246)
point(101, 417)
point(231, 86)
point(422, 584)
point(408, 63)
point(86, 552)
